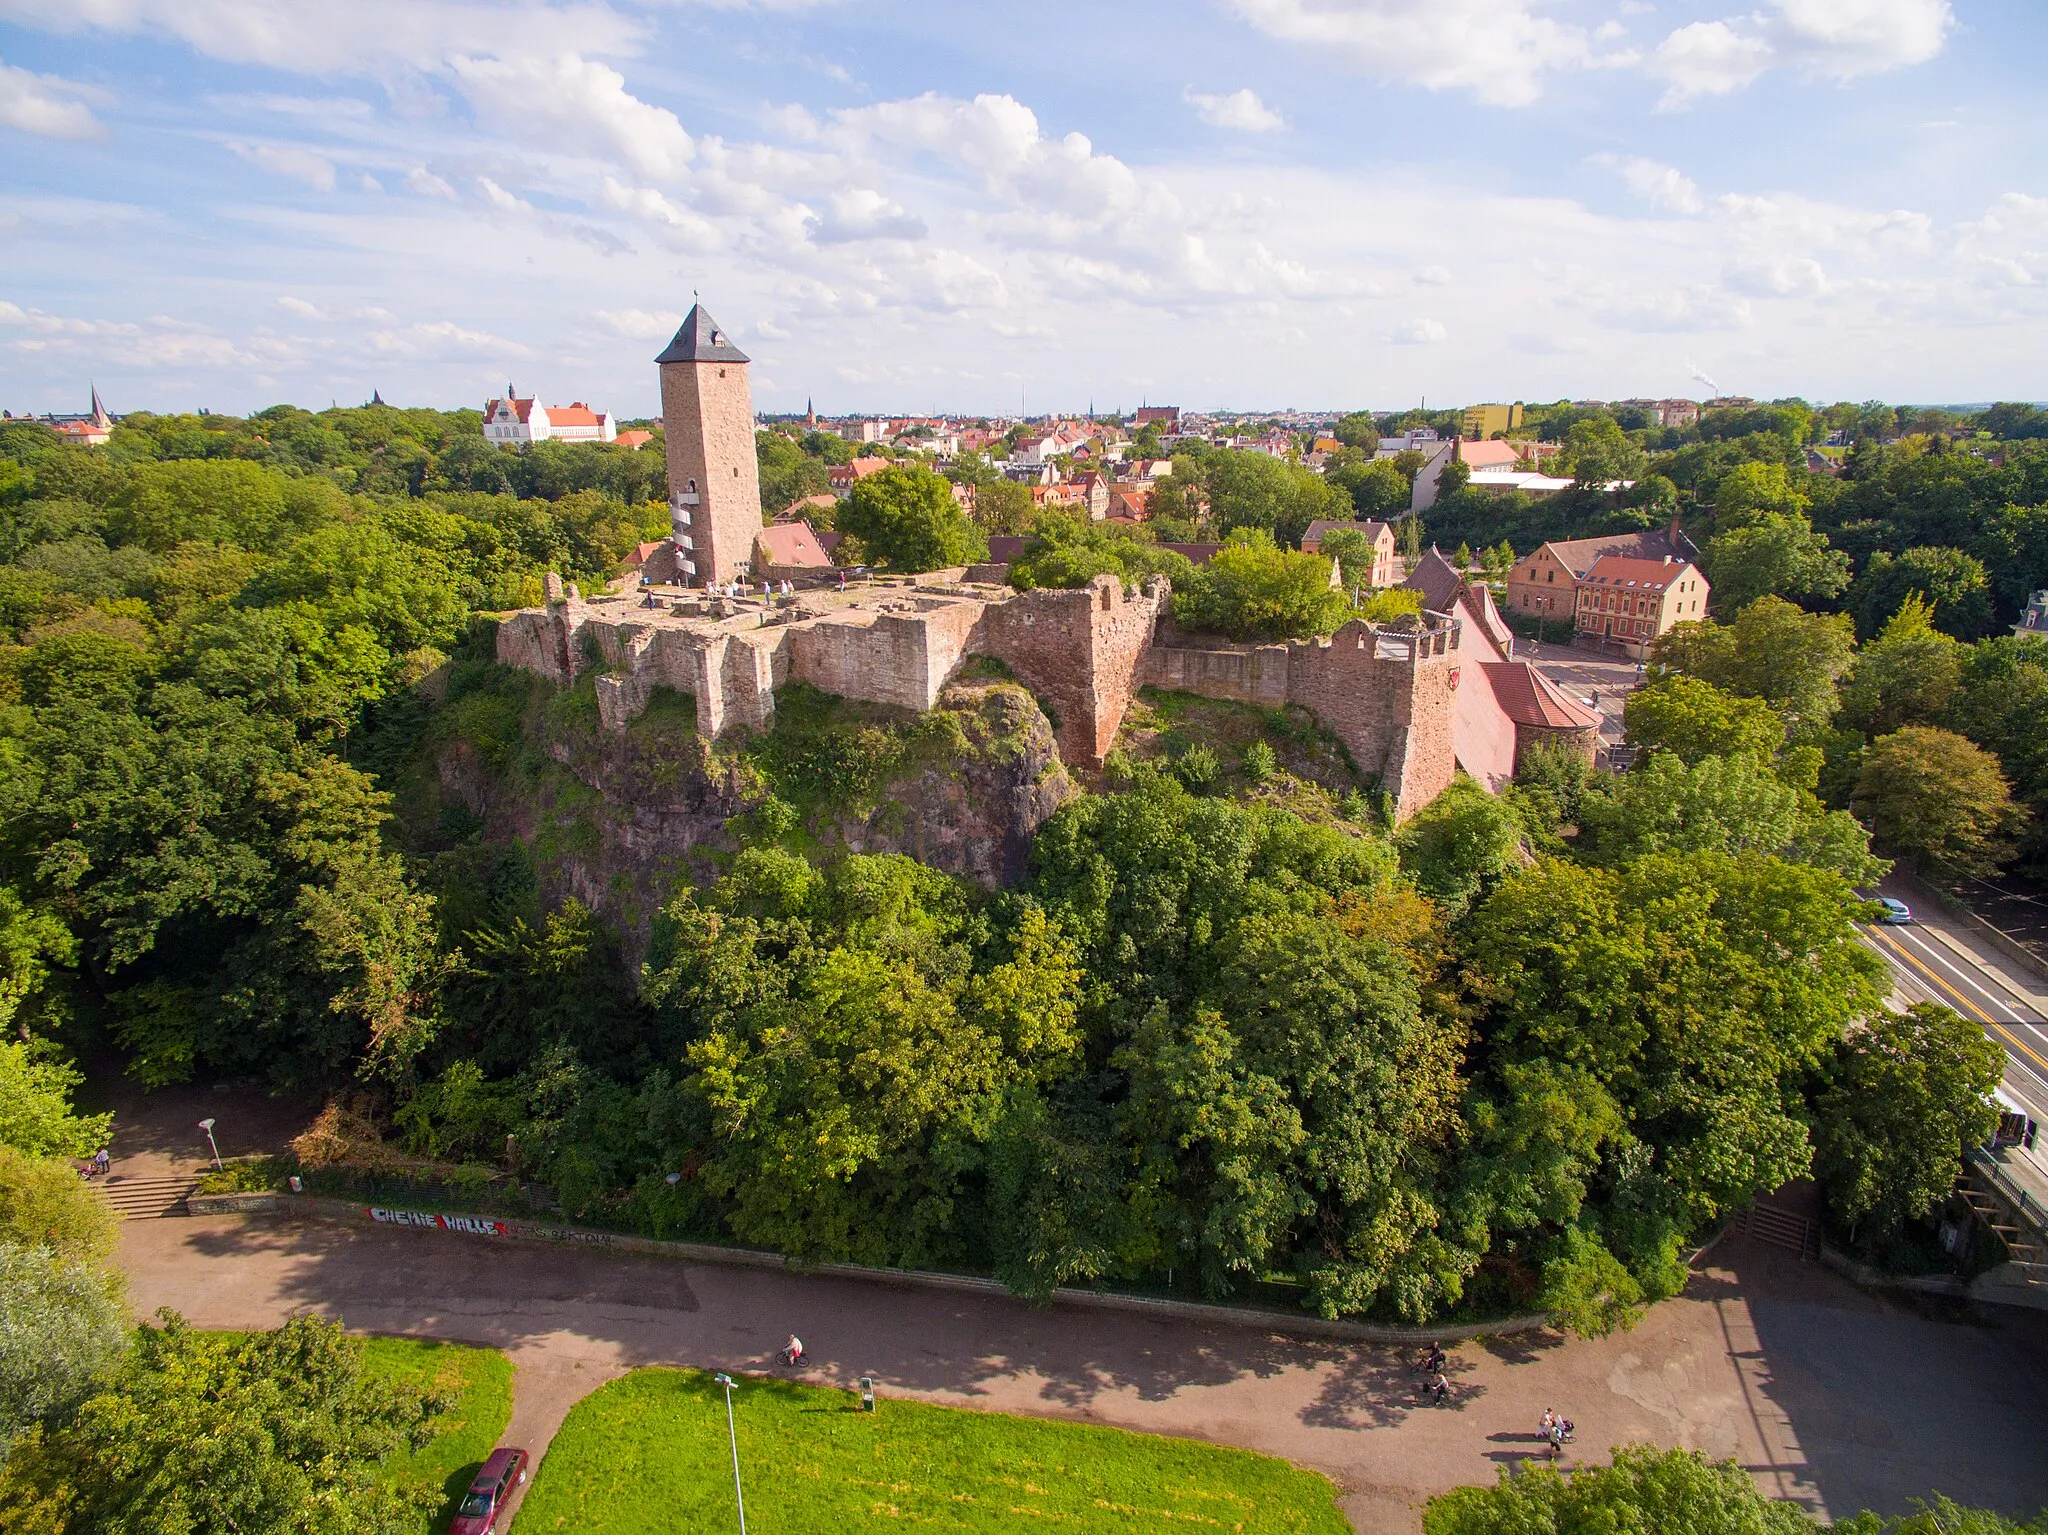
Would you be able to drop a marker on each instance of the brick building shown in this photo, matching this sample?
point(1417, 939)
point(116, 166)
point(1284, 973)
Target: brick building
point(1627, 602)
point(714, 480)
point(1545, 582)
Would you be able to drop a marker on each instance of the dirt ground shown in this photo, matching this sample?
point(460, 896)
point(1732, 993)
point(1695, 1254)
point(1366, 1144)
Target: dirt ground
point(1828, 1395)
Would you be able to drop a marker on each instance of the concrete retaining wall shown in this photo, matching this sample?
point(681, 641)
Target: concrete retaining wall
point(505, 1228)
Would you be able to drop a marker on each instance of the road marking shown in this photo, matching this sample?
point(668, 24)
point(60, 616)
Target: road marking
point(2006, 1035)
point(1963, 952)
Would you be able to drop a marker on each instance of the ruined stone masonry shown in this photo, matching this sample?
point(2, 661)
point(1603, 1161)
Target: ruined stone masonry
point(1385, 692)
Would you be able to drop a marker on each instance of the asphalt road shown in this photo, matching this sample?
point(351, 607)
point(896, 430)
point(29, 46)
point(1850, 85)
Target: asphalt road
point(1937, 959)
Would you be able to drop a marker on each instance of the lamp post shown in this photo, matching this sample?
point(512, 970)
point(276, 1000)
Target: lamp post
point(733, 1434)
point(207, 1126)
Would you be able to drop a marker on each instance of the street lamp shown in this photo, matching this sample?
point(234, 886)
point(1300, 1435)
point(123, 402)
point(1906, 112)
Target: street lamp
point(207, 1126)
point(733, 1434)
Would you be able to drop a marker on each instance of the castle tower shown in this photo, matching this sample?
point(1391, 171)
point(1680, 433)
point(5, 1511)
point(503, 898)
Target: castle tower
point(714, 482)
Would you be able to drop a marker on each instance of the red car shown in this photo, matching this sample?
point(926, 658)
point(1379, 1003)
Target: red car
point(489, 1493)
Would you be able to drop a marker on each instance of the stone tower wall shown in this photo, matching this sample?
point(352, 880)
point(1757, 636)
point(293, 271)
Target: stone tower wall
point(1390, 698)
point(707, 417)
point(1079, 652)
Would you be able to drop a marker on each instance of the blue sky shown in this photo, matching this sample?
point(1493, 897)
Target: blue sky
point(1239, 203)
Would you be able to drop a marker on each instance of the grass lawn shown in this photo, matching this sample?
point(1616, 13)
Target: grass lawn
point(481, 1381)
point(648, 1453)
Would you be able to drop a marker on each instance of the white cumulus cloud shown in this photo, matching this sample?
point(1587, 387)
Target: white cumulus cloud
point(1240, 110)
point(1829, 39)
point(1500, 50)
point(47, 105)
point(573, 104)
point(1419, 332)
point(1659, 185)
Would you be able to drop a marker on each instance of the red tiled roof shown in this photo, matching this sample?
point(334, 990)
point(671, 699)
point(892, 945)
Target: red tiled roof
point(1612, 570)
point(1578, 554)
point(790, 543)
point(1529, 698)
point(634, 439)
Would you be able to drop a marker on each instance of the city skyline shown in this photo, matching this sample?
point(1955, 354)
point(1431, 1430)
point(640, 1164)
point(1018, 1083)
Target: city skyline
point(1256, 204)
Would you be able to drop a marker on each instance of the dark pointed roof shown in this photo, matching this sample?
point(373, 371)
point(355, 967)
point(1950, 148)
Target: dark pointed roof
point(701, 340)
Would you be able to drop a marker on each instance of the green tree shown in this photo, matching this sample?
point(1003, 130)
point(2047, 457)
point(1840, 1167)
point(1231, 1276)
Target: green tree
point(1905, 675)
point(1253, 589)
point(1693, 720)
point(1749, 492)
point(1257, 491)
point(252, 1433)
point(1658, 1492)
point(1460, 845)
point(1377, 488)
point(1733, 804)
point(1695, 991)
point(1954, 582)
point(1904, 1095)
point(44, 1203)
point(906, 519)
point(1775, 554)
point(1352, 551)
point(1597, 453)
point(1931, 794)
point(1775, 651)
point(1003, 506)
point(35, 1105)
point(61, 1329)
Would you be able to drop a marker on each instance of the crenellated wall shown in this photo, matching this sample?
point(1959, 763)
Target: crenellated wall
point(1079, 652)
point(1389, 694)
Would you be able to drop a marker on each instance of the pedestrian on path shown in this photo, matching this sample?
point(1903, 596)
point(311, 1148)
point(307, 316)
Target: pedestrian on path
point(101, 1162)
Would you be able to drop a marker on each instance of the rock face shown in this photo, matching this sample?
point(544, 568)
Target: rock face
point(617, 819)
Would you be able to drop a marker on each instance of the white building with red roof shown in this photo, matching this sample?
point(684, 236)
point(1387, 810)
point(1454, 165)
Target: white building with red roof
point(512, 420)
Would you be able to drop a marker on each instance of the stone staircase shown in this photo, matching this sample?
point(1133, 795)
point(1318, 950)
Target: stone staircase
point(146, 1198)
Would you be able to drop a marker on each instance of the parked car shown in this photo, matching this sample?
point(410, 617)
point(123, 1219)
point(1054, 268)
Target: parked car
point(489, 1493)
point(1895, 913)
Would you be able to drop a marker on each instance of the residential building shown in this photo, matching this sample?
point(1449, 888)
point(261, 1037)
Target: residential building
point(863, 431)
point(1419, 439)
point(1545, 582)
point(89, 430)
point(1091, 489)
point(2035, 619)
point(1480, 422)
point(1625, 601)
point(843, 477)
point(1527, 481)
point(634, 439)
point(511, 421)
point(1481, 457)
point(1379, 534)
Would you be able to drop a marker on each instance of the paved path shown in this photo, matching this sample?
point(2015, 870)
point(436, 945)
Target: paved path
point(1937, 958)
point(1829, 1396)
point(1586, 675)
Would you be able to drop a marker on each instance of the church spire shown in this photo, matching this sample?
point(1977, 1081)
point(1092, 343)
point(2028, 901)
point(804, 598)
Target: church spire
point(100, 418)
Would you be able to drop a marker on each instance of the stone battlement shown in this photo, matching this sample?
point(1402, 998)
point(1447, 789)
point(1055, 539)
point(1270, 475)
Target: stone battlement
point(1384, 690)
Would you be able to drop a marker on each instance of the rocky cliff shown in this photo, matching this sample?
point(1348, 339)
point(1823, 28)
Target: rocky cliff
point(616, 819)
